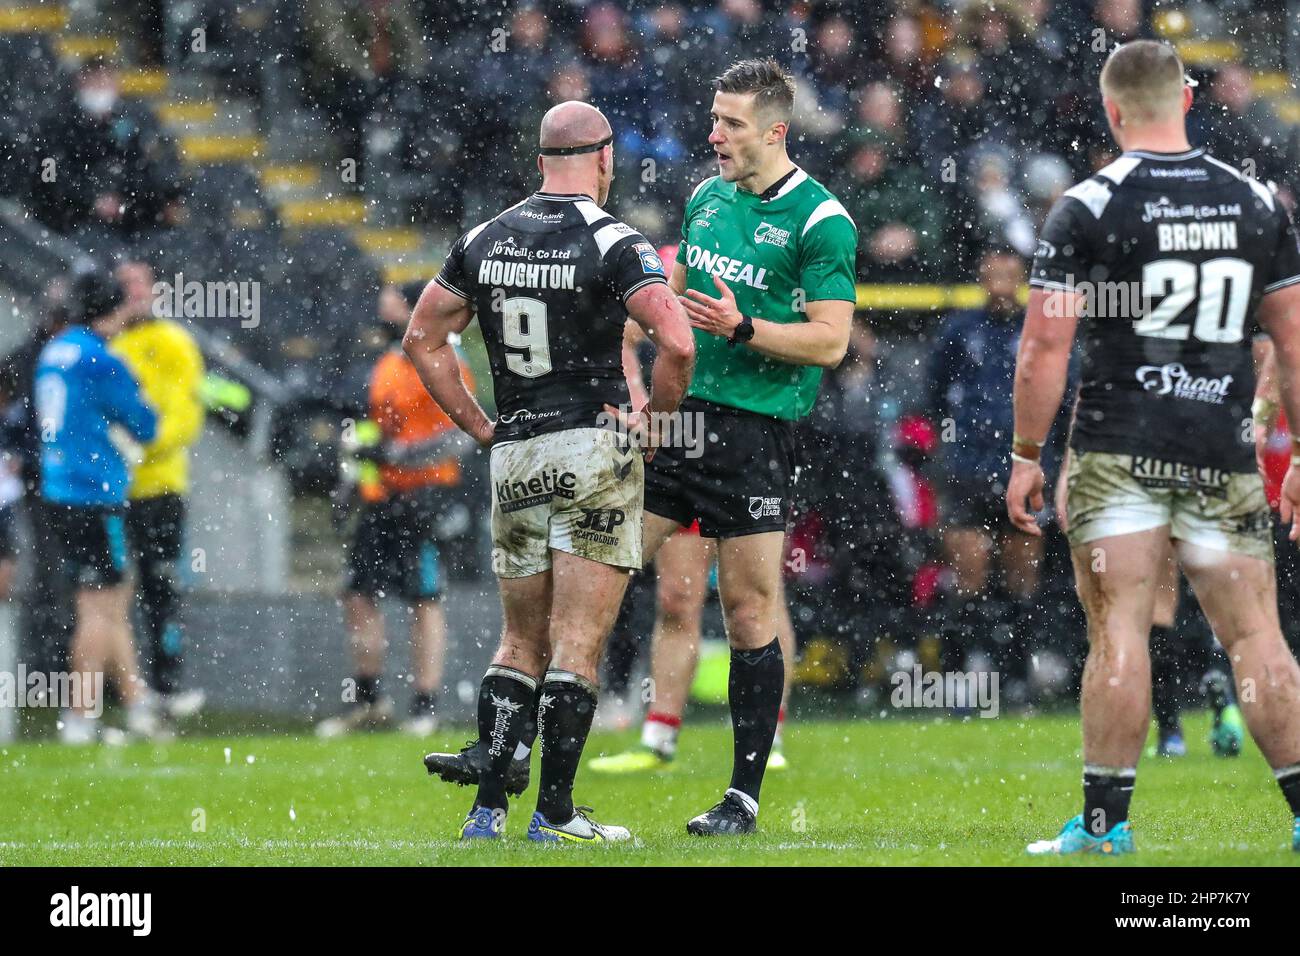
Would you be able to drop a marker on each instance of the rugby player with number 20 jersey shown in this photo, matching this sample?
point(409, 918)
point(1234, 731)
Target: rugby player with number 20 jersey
point(1167, 259)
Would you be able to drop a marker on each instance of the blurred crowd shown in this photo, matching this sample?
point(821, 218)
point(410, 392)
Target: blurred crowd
point(939, 124)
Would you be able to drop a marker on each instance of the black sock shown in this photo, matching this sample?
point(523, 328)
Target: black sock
point(1164, 680)
point(424, 702)
point(957, 631)
point(367, 689)
point(1107, 792)
point(567, 705)
point(754, 690)
point(1288, 778)
point(504, 700)
point(529, 735)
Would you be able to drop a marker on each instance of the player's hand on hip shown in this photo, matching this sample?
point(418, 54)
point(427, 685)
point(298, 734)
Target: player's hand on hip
point(716, 316)
point(485, 433)
point(636, 425)
point(1026, 483)
point(1289, 502)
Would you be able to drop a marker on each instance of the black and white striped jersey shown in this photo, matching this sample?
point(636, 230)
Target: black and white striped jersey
point(549, 279)
point(1172, 253)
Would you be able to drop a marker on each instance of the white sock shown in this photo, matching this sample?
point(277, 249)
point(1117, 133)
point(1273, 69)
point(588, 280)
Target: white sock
point(750, 803)
point(660, 736)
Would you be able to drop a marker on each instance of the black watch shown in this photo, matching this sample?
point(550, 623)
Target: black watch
point(744, 331)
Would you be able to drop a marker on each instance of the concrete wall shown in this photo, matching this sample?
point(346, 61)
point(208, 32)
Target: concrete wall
point(239, 522)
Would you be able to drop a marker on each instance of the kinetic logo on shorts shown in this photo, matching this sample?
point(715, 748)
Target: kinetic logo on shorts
point(538, 490)
point(1155, 473)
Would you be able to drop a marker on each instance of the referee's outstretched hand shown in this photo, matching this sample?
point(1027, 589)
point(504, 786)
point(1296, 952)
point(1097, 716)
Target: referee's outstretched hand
point(718, 316)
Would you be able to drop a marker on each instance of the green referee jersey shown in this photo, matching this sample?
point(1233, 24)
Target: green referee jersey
point(776, 255)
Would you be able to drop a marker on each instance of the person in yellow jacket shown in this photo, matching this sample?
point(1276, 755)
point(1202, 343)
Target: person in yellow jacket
point(169, 366)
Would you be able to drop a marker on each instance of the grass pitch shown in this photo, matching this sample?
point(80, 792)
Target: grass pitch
point(899, 791)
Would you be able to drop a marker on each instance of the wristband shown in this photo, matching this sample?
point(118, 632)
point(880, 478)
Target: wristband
point(1033, 461)
point(1026, 450)
point(1022, 440)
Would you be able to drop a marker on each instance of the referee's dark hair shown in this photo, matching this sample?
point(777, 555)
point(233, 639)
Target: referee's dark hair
point(770, 82)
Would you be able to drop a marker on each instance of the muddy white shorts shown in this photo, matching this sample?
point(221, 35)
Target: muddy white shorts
point(1112, 494)
point(580, 490)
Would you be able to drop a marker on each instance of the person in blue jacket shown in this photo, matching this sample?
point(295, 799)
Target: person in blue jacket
point(92, 421)
point(970, 377)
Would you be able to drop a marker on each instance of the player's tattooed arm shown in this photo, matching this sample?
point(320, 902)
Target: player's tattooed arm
point(822, 339)
point(438, 316)
point(1042, 369)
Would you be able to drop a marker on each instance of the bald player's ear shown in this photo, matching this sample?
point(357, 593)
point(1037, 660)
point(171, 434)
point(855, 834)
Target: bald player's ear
point(1188, 96)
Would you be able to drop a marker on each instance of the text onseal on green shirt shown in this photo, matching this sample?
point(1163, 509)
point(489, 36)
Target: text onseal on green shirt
point(776, 256)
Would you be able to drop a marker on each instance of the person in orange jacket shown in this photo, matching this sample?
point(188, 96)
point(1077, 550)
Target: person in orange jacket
point(406, 487)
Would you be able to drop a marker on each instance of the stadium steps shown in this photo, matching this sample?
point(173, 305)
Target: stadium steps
point(403, 254)
point(81, 47)
point(33, 18)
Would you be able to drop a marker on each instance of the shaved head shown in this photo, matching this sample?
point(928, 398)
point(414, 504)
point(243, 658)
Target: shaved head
point(1145, 79)
point(573, 124)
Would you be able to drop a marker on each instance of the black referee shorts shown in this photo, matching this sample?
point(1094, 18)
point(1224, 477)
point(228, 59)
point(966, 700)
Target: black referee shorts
point(738, 480)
